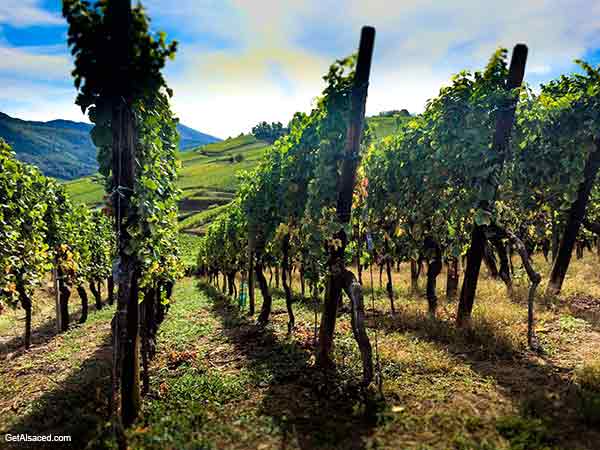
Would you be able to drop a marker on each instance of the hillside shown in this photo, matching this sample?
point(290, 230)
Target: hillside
point(208, 178)
point(63, 149)
point(209, 175)
point(384, 125)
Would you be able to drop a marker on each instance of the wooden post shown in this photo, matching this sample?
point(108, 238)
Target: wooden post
point(504, 123)
point(339, 278)
point(126, 339)
point(574, 220)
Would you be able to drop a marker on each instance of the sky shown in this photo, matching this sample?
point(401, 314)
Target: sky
point(244, 61)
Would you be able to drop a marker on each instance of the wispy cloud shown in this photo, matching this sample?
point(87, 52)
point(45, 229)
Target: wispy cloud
point(23, 13)
point(34, 100)
point(419, 44)
point(243, 61)
point(42, 63)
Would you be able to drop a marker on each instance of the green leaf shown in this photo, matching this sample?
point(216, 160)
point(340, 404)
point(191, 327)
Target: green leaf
point(483, 217)
point(150, 184)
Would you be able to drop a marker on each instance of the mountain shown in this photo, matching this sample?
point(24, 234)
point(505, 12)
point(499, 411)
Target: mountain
point(190, 138)
point(64, 149)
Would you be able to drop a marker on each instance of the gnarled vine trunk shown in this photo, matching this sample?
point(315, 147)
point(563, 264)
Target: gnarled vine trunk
point(302, 281)
point(451, 278)
point(533, 276)
point(490, 261)
point(579, 249)
point(504, 271)
point(265, 311)
point(434, 267)
point(230, 277)
point(96, 292)
point(594, 228)
point(84, 303)
point(415, 271)
point(251, 301)
point(389, 286)
point(64, 294)
point(149, 321)
point(25, 301)
point(358, 240)
point(110, 286)
point(285, 283)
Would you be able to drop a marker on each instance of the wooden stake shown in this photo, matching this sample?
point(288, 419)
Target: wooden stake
point(339, 278)
point(504, 123)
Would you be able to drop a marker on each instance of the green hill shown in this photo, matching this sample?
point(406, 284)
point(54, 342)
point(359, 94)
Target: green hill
point(63, 149)
point(208, 179)
point(387, 123)
point(208, 176)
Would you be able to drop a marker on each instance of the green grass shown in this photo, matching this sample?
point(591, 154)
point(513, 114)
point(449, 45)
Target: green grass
point(383, 126)
point(205, 169)
point(219, 382)
point(219, 174)
point(196, 220)
point(228, 145)
point(188, 244)
point(85, 190)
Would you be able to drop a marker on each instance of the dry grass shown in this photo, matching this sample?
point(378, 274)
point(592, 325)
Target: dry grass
point(481, 388)
point(219, 381)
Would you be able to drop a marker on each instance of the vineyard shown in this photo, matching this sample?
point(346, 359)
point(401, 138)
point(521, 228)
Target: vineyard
point(420, 281)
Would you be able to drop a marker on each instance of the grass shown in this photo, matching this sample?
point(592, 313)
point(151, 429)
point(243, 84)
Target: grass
point(228, 144)
point(218, 381)
point(197, 220)
point(85, 190)
point(61, 383)
point(205, 169)
point(383, 126)
point(188, 244)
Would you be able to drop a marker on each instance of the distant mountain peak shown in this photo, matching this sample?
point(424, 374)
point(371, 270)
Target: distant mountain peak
point(63, 148)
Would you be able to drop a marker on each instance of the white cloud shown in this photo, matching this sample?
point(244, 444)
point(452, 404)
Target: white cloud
point(41, 101)
point(224, 93)
point(23, 13)
point(277, 51)
point(419, 44)
point(39, 62)
point(218, 18)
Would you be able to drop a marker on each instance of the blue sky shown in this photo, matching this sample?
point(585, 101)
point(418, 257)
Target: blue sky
point(243, 61)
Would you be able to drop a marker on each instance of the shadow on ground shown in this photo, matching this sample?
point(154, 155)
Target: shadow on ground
point(541, 389)
point(41, 333)
point(312, 408)
point(76, 407)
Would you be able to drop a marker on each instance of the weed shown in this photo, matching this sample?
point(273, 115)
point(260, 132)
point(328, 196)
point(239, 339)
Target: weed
point(525, 433)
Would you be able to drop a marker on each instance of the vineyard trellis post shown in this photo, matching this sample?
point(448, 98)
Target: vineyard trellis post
point(339, 277)
point(504, 123)
point(126, 340)
point(574, 220)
